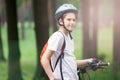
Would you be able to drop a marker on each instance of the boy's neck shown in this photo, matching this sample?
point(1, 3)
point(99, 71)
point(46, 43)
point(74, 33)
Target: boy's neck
point(62, 29)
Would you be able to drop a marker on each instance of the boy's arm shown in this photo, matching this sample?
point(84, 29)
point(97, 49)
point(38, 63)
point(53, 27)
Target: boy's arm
point(83, 62)
point(46, 63)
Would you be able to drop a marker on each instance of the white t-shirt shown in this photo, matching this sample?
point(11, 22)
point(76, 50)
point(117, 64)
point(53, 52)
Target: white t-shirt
point(69, 65)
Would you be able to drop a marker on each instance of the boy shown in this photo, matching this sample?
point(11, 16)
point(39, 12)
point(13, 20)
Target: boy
point(66, 16)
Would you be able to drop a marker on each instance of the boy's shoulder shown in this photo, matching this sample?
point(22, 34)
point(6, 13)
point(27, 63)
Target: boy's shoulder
point(58, 34)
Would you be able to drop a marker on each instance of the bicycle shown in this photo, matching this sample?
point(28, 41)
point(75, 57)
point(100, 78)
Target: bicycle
point(94, 65)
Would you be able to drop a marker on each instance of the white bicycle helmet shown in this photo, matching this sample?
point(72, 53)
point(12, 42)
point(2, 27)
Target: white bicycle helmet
point(65, 8)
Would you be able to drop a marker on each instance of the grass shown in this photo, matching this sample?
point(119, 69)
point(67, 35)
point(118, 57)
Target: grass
point(28, 50)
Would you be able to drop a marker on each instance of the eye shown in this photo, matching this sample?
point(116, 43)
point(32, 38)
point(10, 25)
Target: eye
point(69, 19)
point(74, 20)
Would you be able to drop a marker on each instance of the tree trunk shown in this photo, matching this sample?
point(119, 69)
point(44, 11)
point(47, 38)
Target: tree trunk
point(50, 13)
point(3, 12)
point(22, 10)
point(14, 69)
point(40, 8)
point(116, 41)
point(85, 21)
point(53, 8)
point(30, 11)
point(93, 43)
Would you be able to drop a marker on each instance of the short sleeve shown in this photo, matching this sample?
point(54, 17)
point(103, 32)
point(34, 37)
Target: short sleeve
point(55, 41)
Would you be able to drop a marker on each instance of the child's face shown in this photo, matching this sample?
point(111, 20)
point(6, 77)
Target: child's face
point(70, 21)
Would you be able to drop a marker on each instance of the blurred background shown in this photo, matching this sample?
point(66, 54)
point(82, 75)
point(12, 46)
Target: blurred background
point(25, 26)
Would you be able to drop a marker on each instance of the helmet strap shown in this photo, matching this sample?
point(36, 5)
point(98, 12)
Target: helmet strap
point(65, 26)
point(66, 29)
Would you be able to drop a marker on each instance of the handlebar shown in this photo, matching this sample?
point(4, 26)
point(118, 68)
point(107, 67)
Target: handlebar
point(94, 66)
point(101, 64)
point(97, 64)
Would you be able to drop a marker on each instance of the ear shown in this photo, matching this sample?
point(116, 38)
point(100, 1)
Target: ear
point(60, 21)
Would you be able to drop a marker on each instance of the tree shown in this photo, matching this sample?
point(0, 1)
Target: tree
point(93, 40)
point(40, 8)
point(53, 8)
point(14, 69)
point(89, 32)
point(2, 58)
point(116, 41)
point(22, 11)
point(2, 12)
point(85, 11)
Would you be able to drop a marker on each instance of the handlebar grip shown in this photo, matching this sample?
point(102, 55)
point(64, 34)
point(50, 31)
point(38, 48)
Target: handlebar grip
point(104, 64)
point(101, 64)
